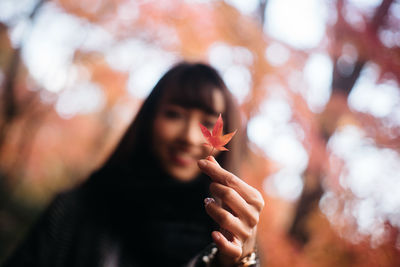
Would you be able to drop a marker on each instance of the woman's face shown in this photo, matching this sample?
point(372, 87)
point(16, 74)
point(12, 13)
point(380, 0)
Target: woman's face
point(177, 138)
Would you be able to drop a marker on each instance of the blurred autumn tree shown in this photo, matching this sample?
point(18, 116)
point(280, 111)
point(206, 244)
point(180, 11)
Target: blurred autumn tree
point(58, 121)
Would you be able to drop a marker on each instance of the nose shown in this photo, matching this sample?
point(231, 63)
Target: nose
point(191, 133)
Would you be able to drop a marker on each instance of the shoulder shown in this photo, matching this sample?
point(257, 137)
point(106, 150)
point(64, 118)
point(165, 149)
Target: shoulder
point(61, 214)
point(50, 235)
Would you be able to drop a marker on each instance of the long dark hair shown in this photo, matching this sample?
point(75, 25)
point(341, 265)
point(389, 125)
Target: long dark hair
point(188, 85)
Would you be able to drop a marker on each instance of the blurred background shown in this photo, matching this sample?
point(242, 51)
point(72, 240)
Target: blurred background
point(318, 85)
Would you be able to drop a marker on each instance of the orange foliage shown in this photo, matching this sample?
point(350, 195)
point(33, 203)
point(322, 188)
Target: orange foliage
point(62, 152)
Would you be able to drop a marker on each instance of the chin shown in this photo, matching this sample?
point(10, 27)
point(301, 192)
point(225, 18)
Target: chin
point(183, 175)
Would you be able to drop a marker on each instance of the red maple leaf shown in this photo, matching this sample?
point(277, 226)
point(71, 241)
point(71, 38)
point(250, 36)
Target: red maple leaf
point(215, 139)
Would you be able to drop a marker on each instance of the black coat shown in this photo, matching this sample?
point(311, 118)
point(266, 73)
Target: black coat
point(121, 218)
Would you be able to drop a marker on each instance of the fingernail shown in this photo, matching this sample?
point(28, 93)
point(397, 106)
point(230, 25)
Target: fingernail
point(216, 236)
point(202, 163)
point(208, 200)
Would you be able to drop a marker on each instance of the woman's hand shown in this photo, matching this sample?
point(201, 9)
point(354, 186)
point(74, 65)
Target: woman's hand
point(238, 214)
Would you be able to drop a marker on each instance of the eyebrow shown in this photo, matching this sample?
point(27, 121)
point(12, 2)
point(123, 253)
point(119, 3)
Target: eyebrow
point(214, 113)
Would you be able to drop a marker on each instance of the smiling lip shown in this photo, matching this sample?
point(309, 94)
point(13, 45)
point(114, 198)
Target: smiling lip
point(180, 160)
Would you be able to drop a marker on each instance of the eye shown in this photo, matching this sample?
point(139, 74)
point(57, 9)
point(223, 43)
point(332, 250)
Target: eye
point(209, 124)
point(173, 113)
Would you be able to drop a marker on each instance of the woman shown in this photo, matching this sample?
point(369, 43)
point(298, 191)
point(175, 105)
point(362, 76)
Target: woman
point(144, 206)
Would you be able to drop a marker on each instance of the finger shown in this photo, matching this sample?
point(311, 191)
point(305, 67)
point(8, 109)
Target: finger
point(220, 175)
point(226, 220)
point(232, 249)
point(212, 159)
point(236, 203)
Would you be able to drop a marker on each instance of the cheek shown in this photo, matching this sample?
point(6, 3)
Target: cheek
point(163, 132)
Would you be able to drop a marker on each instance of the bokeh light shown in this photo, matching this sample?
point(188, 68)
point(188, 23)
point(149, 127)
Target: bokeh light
point(298, 23)
point(317, 83)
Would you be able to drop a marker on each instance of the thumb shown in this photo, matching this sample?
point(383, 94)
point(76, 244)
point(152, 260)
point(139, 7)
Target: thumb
point(212, 159)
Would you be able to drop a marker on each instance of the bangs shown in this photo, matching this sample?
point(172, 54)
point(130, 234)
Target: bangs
point(194, 89)
point(194, 97)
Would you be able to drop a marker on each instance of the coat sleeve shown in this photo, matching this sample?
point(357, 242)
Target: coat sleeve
point(47, 242)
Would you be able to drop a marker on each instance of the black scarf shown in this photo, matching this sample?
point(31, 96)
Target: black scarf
point(158, 220)
point(121, 216)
